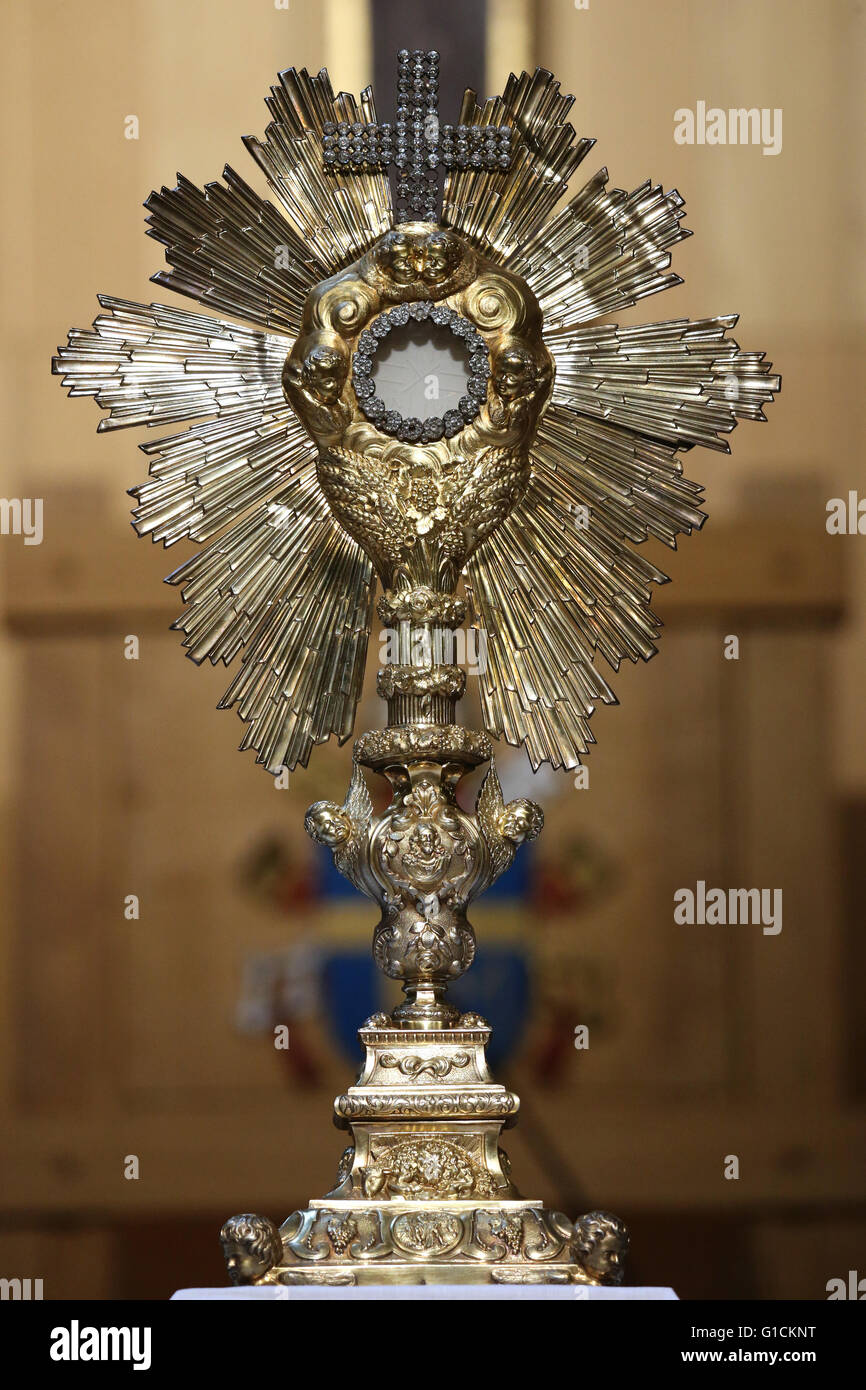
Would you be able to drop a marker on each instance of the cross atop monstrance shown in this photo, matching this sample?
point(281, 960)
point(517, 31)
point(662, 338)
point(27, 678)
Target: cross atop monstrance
point(416, 145)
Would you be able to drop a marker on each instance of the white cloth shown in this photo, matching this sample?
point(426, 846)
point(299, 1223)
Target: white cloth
point(360, 1293)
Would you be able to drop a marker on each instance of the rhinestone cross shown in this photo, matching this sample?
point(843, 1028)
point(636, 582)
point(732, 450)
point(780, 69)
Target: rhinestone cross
point(416, 145)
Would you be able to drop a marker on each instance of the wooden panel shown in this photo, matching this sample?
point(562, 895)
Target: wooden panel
point(635, 1155)
point(791, 980)
point(58, 981)
point(852, 857)
point(685, 985)
point(797, 1257)
point(72, 1261)
point(758, 571)
point(193, 810)
point(651, 814)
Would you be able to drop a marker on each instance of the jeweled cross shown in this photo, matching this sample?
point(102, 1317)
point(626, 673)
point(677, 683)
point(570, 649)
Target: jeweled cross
point(416, 145)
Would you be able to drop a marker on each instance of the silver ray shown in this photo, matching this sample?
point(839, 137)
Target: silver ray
point(499, 212)
point(340, 215)
point(681, 382)
point(605, 250)
point(551, 595)
point(211, 474)
point(288, 587)
point(155, 364)
point(233, 252)
point(624, 483)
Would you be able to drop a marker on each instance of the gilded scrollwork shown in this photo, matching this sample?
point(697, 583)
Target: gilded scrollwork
point(344, 1167)
point(510, 1243)
point(424, 859)
point(416, 1064)
point(327, 1278)
point(530, 1276)
point(371, 1242)
point(496, 1234)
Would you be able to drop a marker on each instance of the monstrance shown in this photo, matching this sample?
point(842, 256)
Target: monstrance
point(518, 509)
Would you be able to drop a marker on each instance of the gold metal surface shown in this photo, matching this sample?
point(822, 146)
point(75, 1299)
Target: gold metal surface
point(424, 1191)
point(564, 460)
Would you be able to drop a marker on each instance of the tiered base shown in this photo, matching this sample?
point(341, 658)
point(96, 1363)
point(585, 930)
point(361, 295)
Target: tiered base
point(424, 1193)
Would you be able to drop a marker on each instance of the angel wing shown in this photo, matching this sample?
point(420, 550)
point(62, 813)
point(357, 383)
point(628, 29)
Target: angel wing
point(489, 808)
point(351, 856)
point(360, 493)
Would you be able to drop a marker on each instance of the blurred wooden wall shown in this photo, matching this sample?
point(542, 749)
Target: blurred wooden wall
point(119, 777)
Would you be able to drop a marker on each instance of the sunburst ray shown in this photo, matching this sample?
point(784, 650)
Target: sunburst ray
point(295, 593)
point(549, 595)
point(498, 211)
point(156, 364)
point(682, 382)
point(600, 254)
point(233, 252)
point(341, 214)
point(203, 479)
point(628, 483)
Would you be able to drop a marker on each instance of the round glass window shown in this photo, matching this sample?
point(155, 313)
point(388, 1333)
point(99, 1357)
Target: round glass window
point(420, 372)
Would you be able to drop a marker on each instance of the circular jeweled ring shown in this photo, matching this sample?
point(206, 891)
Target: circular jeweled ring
point(413, 430)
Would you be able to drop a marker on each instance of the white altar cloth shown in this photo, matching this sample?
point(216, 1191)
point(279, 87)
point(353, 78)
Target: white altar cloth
point(361, 1293)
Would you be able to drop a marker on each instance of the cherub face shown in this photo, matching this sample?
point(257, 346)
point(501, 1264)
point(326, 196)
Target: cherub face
point(243, 1267)
point(406, 257)
point(513, 373)
point(442, 254)
point(324, 374)
point(606, 1256)
point(397, 256)
point(522, 820)
point(328, 824)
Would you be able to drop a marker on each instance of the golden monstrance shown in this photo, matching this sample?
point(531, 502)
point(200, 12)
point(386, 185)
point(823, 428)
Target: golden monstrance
point(518, 511)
